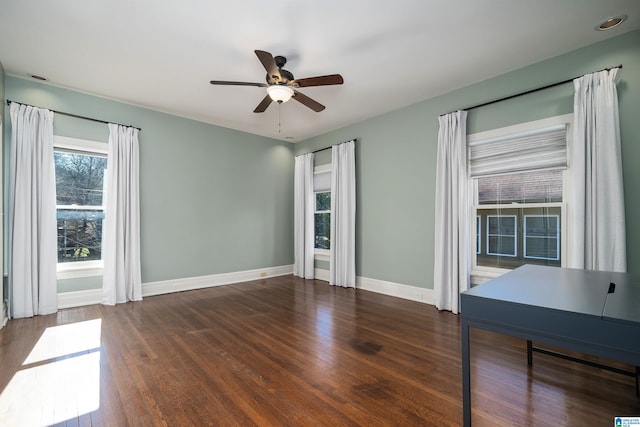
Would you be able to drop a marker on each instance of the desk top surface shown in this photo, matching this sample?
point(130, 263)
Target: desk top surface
point(578, 291)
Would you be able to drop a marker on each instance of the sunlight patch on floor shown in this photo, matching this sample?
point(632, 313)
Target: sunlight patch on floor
point(65, 340)
point(60, 380)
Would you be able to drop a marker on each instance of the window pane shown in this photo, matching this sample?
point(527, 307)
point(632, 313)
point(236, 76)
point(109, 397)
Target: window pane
point(542, 236)
point(541, 225)
point(519, 235)
point(543, 186)
point(79, 235)
point(502, 225)
point(501, 245)
point(541, 248)
point(323, 201)
point(323, 230)
point(79, 179)
point(501, 235)
point(80, 213)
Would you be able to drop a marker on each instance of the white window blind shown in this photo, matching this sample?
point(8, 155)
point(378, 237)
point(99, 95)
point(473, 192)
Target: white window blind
point(322, 181)
point(544, 148)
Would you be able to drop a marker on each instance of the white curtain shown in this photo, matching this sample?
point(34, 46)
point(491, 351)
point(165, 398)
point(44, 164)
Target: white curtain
point(32, 213)
point(303, 217)
point(599, 241)
point(121, 238)
point(451, 263)
point(342, 265)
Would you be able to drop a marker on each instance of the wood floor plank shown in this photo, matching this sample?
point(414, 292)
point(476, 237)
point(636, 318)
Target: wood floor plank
point(293, 352)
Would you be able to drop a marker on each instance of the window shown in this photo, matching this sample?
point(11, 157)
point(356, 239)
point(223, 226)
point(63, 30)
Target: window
point(80, 168)
point(519, 190)
point(322, 206)
point(323, 220)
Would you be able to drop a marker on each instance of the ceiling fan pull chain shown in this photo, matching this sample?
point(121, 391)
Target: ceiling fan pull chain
point(279, 115)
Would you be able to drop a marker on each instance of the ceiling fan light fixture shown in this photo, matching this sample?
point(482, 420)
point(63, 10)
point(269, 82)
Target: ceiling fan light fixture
point(280, 93)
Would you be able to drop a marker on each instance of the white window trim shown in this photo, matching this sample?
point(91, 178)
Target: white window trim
point(80, 145)
point(478, 235)
point(480, 274)
point(80, 269)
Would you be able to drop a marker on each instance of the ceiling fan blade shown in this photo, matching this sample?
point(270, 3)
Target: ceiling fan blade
point(305, 100)
point(218, 82)
point(331, 79)
point(263, 105)
point(269, 64)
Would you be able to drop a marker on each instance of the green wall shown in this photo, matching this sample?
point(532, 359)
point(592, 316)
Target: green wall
point(396, 155)
point(213, 200)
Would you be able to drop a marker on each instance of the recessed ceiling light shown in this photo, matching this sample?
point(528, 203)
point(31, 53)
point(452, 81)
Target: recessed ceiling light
point(610, 23)
point(37, 77)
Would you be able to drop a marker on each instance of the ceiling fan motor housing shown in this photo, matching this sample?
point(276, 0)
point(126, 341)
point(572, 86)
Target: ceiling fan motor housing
point(285, 76)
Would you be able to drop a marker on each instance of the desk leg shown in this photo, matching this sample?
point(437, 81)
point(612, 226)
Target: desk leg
point(466, 376)
point(529, 352)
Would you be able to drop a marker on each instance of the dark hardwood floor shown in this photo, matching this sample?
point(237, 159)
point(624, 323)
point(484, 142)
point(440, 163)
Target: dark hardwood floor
point(285, 352)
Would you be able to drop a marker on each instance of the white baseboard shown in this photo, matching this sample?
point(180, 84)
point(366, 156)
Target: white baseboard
point(4, 316)
point(409, 292)
point(412, 293)
point(94, 296)
point(321, 274)
point(191, 283)
point(79, 298)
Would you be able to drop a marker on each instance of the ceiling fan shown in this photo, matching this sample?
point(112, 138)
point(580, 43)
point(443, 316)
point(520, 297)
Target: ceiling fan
point(281, 85)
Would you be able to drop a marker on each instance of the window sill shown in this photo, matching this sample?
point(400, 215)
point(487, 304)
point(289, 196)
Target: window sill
point(481, 275)
point(79, 270)
point(322, 255)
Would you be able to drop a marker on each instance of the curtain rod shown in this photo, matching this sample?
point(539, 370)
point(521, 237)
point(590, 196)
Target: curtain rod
point(73, 115)
point(322, 149)
point(330, 147)
point(527, 92)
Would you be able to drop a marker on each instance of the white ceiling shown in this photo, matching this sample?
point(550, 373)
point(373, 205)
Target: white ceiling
point(162, 54)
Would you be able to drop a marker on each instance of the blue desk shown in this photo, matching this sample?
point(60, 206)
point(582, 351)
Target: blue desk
point(573, 309)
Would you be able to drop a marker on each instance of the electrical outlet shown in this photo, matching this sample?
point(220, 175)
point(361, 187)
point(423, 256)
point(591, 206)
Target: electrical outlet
point(263, 274)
